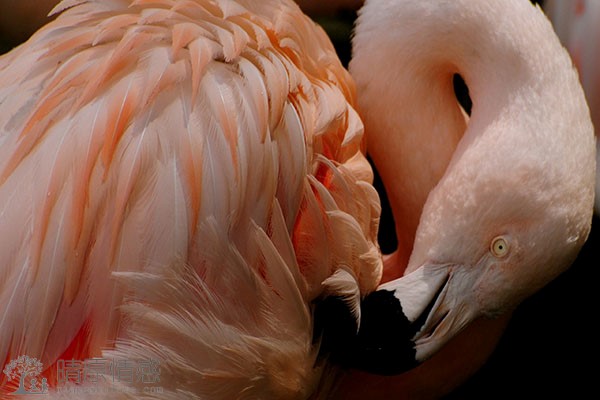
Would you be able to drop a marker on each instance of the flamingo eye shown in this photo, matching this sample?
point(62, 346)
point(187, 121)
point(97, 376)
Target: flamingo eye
point(499, 247)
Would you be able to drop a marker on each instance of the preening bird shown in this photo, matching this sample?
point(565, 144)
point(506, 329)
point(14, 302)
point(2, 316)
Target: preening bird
point(180, 180)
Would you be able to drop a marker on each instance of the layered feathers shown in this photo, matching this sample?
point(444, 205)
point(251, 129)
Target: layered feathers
point(158, 151)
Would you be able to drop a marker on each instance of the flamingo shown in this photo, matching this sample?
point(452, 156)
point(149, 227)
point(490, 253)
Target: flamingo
point(200, 180)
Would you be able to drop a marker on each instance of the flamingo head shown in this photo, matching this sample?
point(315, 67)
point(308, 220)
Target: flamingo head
point(486, 241)
point(490, 235)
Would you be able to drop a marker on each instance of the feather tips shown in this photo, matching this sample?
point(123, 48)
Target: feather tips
point(257, 351)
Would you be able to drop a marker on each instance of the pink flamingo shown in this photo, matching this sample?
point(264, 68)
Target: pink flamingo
point(180, 180)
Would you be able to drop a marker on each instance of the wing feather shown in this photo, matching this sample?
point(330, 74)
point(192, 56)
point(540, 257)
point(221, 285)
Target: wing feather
point(178, 179)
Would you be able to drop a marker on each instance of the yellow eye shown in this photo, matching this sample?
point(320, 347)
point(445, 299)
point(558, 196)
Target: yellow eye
point(499, 247)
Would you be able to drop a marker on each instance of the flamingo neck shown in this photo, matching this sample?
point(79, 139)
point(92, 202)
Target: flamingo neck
point(404, 69)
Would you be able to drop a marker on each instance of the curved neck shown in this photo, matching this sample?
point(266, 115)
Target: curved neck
point(405, 56)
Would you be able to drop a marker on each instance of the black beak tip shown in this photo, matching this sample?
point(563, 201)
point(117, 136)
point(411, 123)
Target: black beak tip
point(384, 343)
point(382, 346)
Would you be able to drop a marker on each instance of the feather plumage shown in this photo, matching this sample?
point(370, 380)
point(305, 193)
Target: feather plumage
point(177, 172)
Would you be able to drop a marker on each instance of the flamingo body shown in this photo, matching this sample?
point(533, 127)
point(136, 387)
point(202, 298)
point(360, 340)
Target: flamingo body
point(177, 179)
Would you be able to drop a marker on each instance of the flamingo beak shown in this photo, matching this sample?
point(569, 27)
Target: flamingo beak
point(406, 321)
